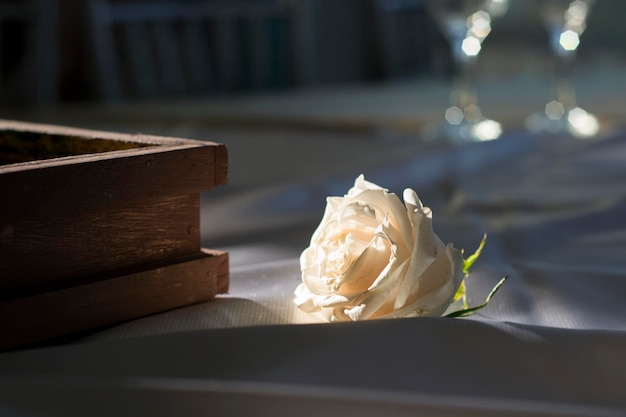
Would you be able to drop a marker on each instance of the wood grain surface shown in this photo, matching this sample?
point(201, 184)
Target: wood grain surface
point(28, 320)
point(88, 240)
point(44, 252)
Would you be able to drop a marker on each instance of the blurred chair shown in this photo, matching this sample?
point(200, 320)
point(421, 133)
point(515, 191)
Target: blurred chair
point(150, 49)
point(406, 38)
point(29, 58)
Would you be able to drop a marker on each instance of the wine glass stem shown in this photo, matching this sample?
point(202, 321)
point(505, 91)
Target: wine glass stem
point(564, 92)
point(464, 93)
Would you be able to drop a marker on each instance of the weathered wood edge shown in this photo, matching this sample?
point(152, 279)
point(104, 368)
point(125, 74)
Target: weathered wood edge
point(101, 134)
point(101, 181)
point(161, 144)
point(34, 319)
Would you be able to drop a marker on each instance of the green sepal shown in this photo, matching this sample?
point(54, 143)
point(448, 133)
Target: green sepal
point(469, 311)
point(460, 293)
point(469, 262)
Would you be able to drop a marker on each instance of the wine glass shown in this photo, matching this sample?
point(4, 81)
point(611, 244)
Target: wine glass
point(465, 24)
point(565, 20)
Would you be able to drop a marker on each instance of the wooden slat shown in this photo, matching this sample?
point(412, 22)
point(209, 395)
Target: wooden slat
point(180, 76)
point(15, 10)
point(46, 53)
point(107, 67)
point(173, 167)
point(229, 67)
point(91, 181)
point(42, 317)
point(169, 58)
point(144, 11)
point(141, 58)
point(198, 51)
point(402, 37)
point(97, 134)
point(260, 51)
point(306, 66)
point(65, 249)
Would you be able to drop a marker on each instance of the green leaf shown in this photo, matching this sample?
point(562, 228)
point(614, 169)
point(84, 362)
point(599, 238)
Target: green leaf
point(469, 311)
point(469, 262)
point(460, 293)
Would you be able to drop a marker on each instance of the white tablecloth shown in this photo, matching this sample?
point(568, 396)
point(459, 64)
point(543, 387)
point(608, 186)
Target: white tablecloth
point(552, 342)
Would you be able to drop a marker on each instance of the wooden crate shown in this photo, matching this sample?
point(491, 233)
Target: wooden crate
point(97, 228)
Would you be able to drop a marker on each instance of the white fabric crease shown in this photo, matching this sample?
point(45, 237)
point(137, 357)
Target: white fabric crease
point(552, 341)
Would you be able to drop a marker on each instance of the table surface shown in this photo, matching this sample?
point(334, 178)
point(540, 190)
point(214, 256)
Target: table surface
point(552, 342)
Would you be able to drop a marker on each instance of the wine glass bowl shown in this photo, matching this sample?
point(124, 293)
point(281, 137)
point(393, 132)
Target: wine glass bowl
point(565, 21)
point(465, 24)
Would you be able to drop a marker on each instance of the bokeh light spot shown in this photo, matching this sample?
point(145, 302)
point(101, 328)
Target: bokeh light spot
point(583, 124)
point(471, 46)
point(454, 115)
point(480, 24)
point(555, 110)
point(569, 40)
point(487, 130)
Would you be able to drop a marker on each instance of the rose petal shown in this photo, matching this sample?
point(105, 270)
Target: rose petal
point(374, 301)
point(439, 283)
point(411, 200)
point(311, 302)
point(311, 266)
point(380, 301)
point(304, 299)
point(329, 217)
point(356, 216)
point(354, 313)
point(382, 292)
point(423, 255)
point(388, 204)
point(367, 269)
point(360, 185)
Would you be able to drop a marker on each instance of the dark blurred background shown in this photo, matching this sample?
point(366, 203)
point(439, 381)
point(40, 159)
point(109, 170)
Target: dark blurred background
point(69, 51)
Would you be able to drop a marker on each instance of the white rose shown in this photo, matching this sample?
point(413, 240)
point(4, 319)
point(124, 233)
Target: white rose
point(373, 257)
